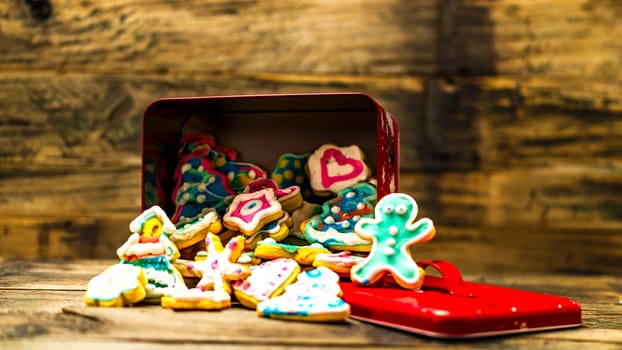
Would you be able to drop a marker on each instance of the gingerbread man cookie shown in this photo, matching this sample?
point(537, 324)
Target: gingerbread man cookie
point(393, 231)
point(332, 168)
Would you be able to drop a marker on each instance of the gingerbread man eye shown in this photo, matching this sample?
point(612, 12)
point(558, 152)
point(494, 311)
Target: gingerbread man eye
point(401, 209)
point(251, 207)
point(388, 209)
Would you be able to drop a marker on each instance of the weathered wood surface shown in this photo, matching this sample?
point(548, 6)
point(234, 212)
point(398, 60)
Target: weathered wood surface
point(509, 112)
point(537, 38)
point(220, 36)
point(483, 192)
point(46, 309)
point(472, 37)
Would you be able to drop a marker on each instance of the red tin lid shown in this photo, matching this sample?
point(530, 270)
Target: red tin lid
point(448, 307)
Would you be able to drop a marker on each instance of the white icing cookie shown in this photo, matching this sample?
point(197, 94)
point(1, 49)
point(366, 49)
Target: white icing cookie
point(314, 297)
point(266, 280)
point(332, 168)
point(118, 285)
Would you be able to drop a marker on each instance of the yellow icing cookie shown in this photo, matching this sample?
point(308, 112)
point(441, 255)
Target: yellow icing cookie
point(118, 285)
point(194, 232)
point(341, 263)
point(196, 299)
point(304, 255)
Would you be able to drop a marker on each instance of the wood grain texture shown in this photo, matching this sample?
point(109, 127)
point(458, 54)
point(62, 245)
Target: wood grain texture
point(89, 120)
point(465, 37)
point(468, 176)
point(509, 111)
point(531, 38)
point(57, 315)
point(350, 36)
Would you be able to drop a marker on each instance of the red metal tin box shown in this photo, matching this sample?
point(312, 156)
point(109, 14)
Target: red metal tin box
point(262, 127)
point(448, 307)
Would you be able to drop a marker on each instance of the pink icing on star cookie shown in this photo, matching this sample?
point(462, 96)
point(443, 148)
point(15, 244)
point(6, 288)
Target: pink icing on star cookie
point(249, 212)
point(289, 197)
point(333, 168)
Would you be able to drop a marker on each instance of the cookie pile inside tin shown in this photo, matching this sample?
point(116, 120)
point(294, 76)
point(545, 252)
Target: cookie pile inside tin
point(275, 241)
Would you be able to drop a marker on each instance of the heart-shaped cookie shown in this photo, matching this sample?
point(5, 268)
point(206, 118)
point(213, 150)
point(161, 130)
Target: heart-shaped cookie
point(333, 168)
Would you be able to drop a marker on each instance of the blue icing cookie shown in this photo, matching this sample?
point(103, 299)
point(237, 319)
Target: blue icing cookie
point(334, 226)
point(393, 231)
point(240, 174)
point(314, 297)
point(199, 187)
point(290, 171)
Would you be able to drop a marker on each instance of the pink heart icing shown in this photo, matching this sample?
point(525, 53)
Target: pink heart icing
point(342, 161)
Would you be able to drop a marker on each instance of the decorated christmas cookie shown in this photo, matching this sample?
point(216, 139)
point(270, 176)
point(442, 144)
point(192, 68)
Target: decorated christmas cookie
point(249, 212)
point(300, 215)
point(290, 171)
point(289, 197)
point(332, 168)
point(205, 146)
point(303, 255)
point(393, 231)
point(200, 189)
point(197, 299)
point(266, 281)
point(277, 230)
point(193, 232)
point(149, 248)
point(118, 285)
point(334, 226)
point(314, 297)
point(220, 267)
point(241, 174)
point(341, 263)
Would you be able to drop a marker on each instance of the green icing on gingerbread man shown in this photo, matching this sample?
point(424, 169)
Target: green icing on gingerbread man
point(393, 231)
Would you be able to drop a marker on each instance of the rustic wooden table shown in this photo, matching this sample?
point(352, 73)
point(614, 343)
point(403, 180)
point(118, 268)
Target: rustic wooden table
point(41, 307)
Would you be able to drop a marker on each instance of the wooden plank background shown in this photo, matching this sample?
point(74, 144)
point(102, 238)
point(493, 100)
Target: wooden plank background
point(509, 112)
